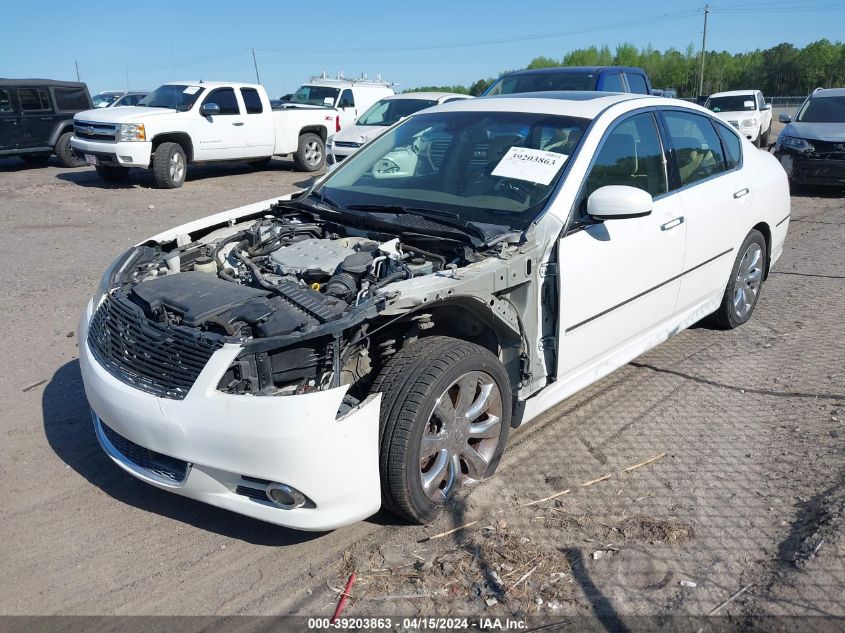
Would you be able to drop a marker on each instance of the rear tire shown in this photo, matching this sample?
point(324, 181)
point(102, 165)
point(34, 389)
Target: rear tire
point(764, 138)
point(65, 152)
point(311, 155)
point(111, 173)
point(169, 166)
point(745, 283)
point(445, 414)
point(36, 160)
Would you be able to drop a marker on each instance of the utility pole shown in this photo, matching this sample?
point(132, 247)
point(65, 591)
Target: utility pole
point(703, 49)
point(255, 63)
point(76, 63)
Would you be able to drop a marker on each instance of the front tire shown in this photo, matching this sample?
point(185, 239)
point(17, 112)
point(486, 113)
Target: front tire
point(745, 284)
point(169, 166)
point(764, 138)
point(311, 154)
point(445, 415)
point(111, 173)
point(65, 152)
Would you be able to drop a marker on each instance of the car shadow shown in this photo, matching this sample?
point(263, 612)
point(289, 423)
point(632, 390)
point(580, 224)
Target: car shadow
point(68, 428)
point(13, 163)
point(143, 178)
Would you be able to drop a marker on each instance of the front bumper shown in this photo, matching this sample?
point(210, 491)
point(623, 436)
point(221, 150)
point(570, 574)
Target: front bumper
point(339, 152)
point(126, 154)
point(232, 446)
point(806, 170)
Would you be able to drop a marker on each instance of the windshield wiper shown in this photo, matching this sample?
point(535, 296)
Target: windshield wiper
point(425, 214)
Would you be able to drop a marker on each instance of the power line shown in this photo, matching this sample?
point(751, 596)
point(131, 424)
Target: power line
point(665, 17)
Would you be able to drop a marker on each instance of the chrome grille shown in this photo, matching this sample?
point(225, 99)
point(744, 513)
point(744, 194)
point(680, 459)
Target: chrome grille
point(95, 131)
point(161, 468)
point(156, 358)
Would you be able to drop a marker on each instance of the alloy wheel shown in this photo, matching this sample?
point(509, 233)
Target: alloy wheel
point(748, 279)
point(461, 436)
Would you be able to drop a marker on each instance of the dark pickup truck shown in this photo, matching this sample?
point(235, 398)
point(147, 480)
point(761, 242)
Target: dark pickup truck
point(586, 78)
point(36, 119)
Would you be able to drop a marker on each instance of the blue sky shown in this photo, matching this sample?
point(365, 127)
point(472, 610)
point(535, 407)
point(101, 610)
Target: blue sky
point(150, 42)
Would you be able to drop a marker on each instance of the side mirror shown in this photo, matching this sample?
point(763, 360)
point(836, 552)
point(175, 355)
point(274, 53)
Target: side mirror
point(328, 101)
point(209, 109)
point(783, 117)
point(617, 202)
point(766, 106)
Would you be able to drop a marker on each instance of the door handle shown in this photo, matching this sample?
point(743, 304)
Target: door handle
point(671, 224)
point(238, 123)
point(742, 192)
point(46, 118)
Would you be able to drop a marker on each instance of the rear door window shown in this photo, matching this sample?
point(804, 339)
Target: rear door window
point(252, 101)
point(731, 144)
point(34, 99)
point(637, 83)
point(613, 83)
point(698, 150)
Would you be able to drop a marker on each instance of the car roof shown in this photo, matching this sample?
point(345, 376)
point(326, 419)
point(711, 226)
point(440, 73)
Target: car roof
point(559, 70)
point(429, 96)
point(733, 93)
point(29, 83)
point(212, 84)
point(829, 92)
point(582, 104)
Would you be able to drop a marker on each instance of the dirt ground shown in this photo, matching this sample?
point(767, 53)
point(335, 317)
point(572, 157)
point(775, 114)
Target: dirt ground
point(750, 494)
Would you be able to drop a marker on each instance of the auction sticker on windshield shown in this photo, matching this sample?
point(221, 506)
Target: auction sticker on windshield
point(191, 90)
point(533, 165)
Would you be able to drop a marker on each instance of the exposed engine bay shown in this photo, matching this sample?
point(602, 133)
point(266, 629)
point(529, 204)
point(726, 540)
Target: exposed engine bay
point(300, 293)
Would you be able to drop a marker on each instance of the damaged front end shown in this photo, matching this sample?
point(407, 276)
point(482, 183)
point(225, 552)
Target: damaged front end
point(312, 304)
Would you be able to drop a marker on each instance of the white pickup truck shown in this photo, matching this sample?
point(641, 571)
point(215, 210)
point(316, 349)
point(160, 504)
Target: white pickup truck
point(198, 122)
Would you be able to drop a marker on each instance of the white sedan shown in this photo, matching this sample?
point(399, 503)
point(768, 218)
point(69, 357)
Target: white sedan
point(372, 340)
point(382, 115)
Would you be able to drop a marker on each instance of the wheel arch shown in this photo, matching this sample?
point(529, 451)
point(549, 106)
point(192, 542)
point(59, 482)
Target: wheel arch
point(60, 128)
point(319, 130)
point(182, 138)
point(466, 319)
point(766, 230)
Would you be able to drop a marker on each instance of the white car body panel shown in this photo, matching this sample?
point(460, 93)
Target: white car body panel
point(352, 136)
point(624, 287)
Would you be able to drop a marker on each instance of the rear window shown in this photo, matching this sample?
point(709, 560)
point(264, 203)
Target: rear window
point(731, 143)
point(71, 99)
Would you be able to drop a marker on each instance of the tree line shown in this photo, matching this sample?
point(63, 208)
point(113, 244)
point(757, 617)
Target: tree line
point(782, 70)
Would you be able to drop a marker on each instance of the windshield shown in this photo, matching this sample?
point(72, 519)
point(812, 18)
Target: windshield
point(823, 110)
point(484, 167)
point(104, 99)
point(314, 95)
point(175, 97)
point(736, 103)
point(543, 82)
point(389, 111)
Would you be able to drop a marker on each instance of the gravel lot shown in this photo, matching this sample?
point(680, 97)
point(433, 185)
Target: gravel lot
point(751, 490)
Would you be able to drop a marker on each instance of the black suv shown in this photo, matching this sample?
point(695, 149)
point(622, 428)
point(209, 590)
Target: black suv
point(36, 119)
